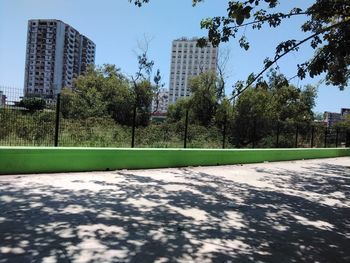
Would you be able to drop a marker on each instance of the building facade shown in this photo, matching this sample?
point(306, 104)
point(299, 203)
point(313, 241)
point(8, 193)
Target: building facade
point(2, 98)
point(188, 61)
point(331, 118)
point(56, 54)
point(344, 112)
point(160, 103)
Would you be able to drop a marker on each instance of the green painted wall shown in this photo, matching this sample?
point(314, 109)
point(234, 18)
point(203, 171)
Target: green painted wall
point(17, 160)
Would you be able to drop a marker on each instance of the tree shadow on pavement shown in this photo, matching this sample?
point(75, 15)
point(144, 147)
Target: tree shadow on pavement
point(179, 215)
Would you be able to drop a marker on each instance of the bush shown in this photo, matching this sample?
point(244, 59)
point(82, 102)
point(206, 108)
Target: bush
point(32, 104)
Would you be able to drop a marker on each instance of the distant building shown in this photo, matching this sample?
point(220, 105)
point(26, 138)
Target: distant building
point(331, 118)
point(2, 98)
point(344, 112)
point(160, 103)
point(56, 54)
point(188, 61)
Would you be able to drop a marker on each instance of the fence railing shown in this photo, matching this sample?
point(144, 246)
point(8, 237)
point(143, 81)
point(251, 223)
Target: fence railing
point(33, 125)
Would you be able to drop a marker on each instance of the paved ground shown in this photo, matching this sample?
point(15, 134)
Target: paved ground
point(271, 212)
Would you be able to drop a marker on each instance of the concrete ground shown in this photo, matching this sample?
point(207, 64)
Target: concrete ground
point(271, 212)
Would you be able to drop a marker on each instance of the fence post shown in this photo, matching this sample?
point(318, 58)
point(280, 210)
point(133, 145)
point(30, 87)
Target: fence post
point(57, 126)
point(325, 137)
point(312, 136)
point(186, 127)
point(347, 140)
point(254, 132)
point(224, 133)
point(296, 136)
point(337, 138)
point(133, 127)
point(278, 134)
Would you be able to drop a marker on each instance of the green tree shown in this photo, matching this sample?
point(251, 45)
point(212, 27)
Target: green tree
point(143, 90)
point(344, 124)
point(104, 91)
point(224, 112)
point(118, 95)
point(32, 104)
point(177, 110)
point(92, 93)
point(206, 104)
point(204, 99)
point(258, 110)
point(253, 116)
point(290, 103)
point(101, 92)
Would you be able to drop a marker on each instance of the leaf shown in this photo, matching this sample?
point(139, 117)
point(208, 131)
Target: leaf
point(239, 20)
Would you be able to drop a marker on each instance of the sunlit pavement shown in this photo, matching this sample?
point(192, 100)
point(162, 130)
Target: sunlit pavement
point(272, 212)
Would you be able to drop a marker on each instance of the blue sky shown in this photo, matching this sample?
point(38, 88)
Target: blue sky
point(116, 26)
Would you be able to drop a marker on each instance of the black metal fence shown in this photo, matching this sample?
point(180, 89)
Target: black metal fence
point(29, 123)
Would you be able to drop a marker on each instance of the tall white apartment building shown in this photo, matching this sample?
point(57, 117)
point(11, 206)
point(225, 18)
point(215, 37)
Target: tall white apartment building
point(188, 61)
point(56, 54)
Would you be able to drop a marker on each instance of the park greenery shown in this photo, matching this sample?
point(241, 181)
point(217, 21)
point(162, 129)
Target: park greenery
point(99, 111)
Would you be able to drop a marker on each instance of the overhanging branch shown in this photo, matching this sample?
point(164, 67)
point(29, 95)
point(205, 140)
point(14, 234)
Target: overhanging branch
point(277, 58)
point(267, 19)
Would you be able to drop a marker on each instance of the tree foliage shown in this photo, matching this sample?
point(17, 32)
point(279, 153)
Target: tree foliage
point(177, 111)
point(327, 23)
point(202, 104)
point(205, 97)
point(254, 115)
point(143, 90)
point(344, 123)
point(106, 92)
point(32, 104)
point(262, 107)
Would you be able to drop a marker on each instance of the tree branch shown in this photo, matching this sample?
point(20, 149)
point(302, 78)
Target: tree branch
point(266, 19)
point(286, 52)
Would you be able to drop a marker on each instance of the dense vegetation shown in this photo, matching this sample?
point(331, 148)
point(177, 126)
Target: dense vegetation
point(99, 111)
